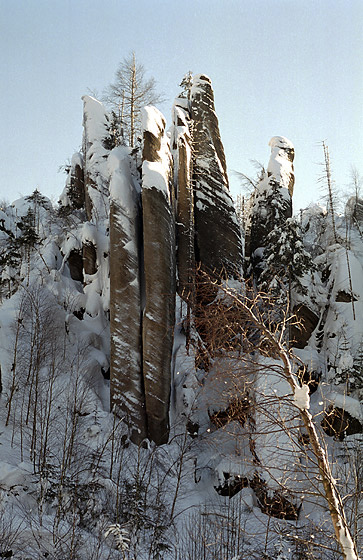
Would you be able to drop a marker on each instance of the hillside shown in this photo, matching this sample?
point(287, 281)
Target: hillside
point(166, 361)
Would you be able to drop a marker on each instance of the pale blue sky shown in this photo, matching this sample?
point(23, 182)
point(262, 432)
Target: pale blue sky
point(279, 67)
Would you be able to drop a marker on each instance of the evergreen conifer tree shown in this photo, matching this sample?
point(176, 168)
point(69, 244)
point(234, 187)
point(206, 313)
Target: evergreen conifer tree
point(37, 200)
point(27, 226)
point(285, 261)
point(29, 237)
point(271, 210)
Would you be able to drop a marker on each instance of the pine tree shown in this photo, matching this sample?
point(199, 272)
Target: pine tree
point(285, 261)
point(29, 237)
point(186, 85)
point(37, 200)
point(271, 210)
point(27, 226)
point(115, 132)
point(10, 260)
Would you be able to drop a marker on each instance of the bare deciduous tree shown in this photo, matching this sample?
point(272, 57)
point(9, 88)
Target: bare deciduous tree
point(126, 96)
point(251, 317)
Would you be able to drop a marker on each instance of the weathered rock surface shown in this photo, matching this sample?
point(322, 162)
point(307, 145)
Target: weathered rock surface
point(185, 200)
point(218, 244)
point(75, 188)
point(338, 423)
point(274, 504)
point(89, 254)
point(159, 274)
point(75, 263)
point(127, 391)
point(231, 485)
point(306, 323)
point(354, 209)
point(344, 297)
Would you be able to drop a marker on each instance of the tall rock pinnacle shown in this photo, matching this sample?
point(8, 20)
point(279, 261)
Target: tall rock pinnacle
point(218, 240)
point(159, 273)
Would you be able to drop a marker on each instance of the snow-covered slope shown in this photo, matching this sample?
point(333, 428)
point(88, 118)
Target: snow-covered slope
point(143, 413)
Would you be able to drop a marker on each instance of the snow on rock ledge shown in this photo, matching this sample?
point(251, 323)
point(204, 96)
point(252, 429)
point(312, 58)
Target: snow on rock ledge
point(156, 154)
point(153, 121)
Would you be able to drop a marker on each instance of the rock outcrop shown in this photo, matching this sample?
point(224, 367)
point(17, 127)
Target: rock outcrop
point(75, 263)
point(89, 258)
point(127, 391)
point(159, 273)
point(74, 190)
point(218, 246)
point(338, 423)
point(127, 233)
point(304, 326)
point(183, 166)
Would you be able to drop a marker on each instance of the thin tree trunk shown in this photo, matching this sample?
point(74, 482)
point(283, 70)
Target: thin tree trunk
point(132, 102)
point(332, 496)
point(330, 187)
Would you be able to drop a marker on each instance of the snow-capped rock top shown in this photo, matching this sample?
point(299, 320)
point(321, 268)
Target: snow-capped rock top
point(152, 120)
point(280, 167)
point(95, 119)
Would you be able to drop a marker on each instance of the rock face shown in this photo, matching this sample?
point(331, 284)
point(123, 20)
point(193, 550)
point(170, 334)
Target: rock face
point(75, 263)
point(74, 190)
point(159, 274)
point(272, 199)
point(338, 423)
point(127, 391)
point(355, 208)
point(127, 234)
point(218, 244)
point(208, 232)
point(89, 258)
point(183, 165)
point(306, 323)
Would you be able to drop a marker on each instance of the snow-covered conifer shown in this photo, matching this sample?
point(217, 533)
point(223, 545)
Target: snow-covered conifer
point(286, 261)
point(272, 201)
